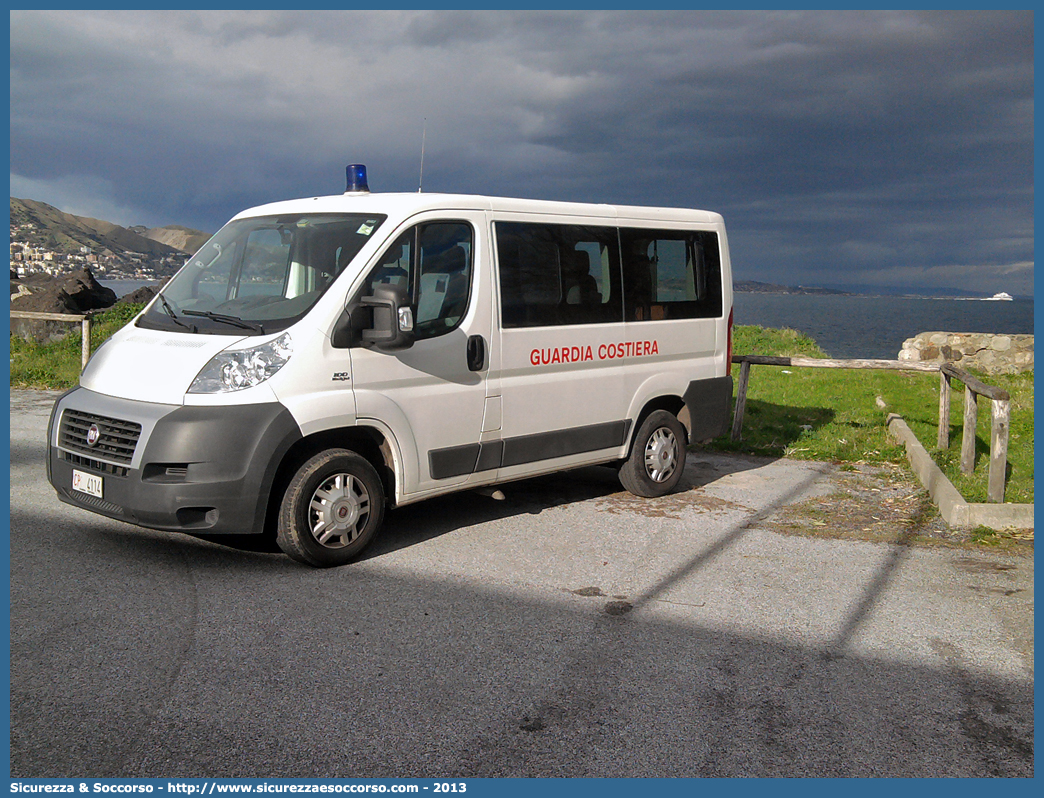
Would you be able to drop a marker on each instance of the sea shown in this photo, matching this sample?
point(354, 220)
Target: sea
point(855, 326)
point(860, 326)
point(124, 287)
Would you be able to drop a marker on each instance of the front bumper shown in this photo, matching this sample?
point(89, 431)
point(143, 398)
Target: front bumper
point(171, 467)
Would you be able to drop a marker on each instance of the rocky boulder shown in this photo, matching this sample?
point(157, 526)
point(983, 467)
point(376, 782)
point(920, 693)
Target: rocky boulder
point(141, 296)
point(986, 352)
point(78, 292)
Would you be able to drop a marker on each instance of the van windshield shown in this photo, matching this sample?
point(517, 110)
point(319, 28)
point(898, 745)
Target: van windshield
point(260, 275)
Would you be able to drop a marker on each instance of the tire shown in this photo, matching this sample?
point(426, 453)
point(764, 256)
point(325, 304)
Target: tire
point(331, 510)
point(657, 457)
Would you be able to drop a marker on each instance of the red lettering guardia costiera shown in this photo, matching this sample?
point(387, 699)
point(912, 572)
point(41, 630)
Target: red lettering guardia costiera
point(580, 354)
point(563, 354)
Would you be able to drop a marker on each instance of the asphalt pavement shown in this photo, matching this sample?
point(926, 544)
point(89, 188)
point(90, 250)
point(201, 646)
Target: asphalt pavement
point(568, 630)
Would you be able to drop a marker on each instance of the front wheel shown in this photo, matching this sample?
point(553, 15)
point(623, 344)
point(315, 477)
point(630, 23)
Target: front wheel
point(657, 457)
point(331, 510)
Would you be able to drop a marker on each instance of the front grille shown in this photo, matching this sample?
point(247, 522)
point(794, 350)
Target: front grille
point(96, 465)
point(116, 438)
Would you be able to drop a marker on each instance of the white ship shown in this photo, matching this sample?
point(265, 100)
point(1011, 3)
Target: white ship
point(1001, 297)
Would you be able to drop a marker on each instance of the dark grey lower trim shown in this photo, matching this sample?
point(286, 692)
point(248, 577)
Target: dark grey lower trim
point(50, 427)
point(236, 449)
point(710, 407)
point(205, 469)
point(475, 457)
point(452, 462)
point(562, 443)
point(490, 456)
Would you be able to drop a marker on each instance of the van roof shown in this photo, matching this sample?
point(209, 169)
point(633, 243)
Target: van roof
point(403, 205)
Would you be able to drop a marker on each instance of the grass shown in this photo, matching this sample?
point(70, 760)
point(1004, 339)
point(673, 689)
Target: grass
point(830, 414)
point(56, 365)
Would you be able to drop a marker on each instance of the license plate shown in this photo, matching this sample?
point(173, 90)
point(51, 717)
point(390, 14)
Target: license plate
point(90, 484)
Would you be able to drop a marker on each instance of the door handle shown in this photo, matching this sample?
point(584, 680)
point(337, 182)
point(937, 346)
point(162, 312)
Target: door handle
point(476, 353)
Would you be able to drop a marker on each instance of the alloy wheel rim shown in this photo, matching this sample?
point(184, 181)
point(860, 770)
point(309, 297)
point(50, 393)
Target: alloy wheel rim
point(338, 511)
point(661, 458)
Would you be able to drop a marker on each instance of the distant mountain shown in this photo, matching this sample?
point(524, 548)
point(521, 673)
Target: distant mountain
point(755, 287)
point(183, 239)
point(65, 233)
point(932, 291)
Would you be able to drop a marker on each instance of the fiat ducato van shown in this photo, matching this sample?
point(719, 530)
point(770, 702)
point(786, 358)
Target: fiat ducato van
point(322, 360)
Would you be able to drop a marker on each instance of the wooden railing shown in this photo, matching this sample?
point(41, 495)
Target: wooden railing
point(746, 361)
point(1000, 412)
point(83, 318)
point(973, 388)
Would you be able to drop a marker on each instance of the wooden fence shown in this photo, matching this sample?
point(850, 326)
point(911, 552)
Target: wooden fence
point(83, 318)
point(1001, 409)
point(746, 361)
point(1000, 413)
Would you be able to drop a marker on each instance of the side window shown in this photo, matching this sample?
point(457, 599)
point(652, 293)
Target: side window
point(394, 265)
point(670, 274)
point(433, 263)
point(558, 274)
point(444, 277)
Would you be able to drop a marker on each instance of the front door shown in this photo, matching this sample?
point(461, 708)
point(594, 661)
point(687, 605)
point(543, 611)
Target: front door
point(432, 395)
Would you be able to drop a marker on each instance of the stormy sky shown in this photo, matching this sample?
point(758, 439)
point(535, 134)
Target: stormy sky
point(848, 149)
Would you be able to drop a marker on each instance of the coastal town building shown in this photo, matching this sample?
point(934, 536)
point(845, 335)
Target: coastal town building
point(29, 258)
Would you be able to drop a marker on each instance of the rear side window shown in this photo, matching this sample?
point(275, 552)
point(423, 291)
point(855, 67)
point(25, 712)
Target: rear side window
point(670, 274)
point(558, 274)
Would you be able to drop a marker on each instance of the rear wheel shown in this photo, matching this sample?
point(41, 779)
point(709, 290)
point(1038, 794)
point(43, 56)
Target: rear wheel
point(331, 510)
point(657, 458)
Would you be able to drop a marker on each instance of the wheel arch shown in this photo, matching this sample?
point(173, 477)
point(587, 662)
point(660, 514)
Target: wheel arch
point(674, 405)
point(368, 442)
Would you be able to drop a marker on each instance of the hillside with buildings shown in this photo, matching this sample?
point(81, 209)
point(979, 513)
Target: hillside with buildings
point(46, 240)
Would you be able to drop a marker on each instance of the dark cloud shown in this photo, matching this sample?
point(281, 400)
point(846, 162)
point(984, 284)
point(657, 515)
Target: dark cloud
point(843, 147)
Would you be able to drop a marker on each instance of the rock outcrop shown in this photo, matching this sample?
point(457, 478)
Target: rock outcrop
point(141, 295)
point(986, 352)
point(78, 292)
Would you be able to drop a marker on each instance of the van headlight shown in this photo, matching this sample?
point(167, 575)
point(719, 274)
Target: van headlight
point(234, 370)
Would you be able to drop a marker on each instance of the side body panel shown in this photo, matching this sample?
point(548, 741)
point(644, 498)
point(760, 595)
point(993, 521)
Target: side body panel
point(573, 394)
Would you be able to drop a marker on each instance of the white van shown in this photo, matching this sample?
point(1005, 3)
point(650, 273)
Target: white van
point(321, 359)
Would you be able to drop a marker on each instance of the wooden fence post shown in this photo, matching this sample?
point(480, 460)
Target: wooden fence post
point(85, 349)
point(942, 440)
point(741, 400)
point(971, 419)
point(998, 449)
point(85, 327)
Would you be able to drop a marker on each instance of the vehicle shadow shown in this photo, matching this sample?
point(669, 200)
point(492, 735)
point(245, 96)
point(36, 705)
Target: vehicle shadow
point(432, 518)
point(417, 523)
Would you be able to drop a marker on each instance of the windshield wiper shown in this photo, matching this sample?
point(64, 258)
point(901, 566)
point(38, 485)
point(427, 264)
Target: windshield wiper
point(173, 315)
point(235, 321)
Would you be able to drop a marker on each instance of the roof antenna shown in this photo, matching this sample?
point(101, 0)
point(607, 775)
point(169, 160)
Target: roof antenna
point(424, 133)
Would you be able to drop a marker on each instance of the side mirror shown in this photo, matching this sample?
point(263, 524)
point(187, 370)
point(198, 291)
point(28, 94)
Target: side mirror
point(392, 319)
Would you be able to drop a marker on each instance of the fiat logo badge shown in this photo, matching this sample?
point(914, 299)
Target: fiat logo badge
point(93, 434)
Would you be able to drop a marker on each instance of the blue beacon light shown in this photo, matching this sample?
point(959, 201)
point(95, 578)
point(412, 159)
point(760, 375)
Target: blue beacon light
point(356, 179)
